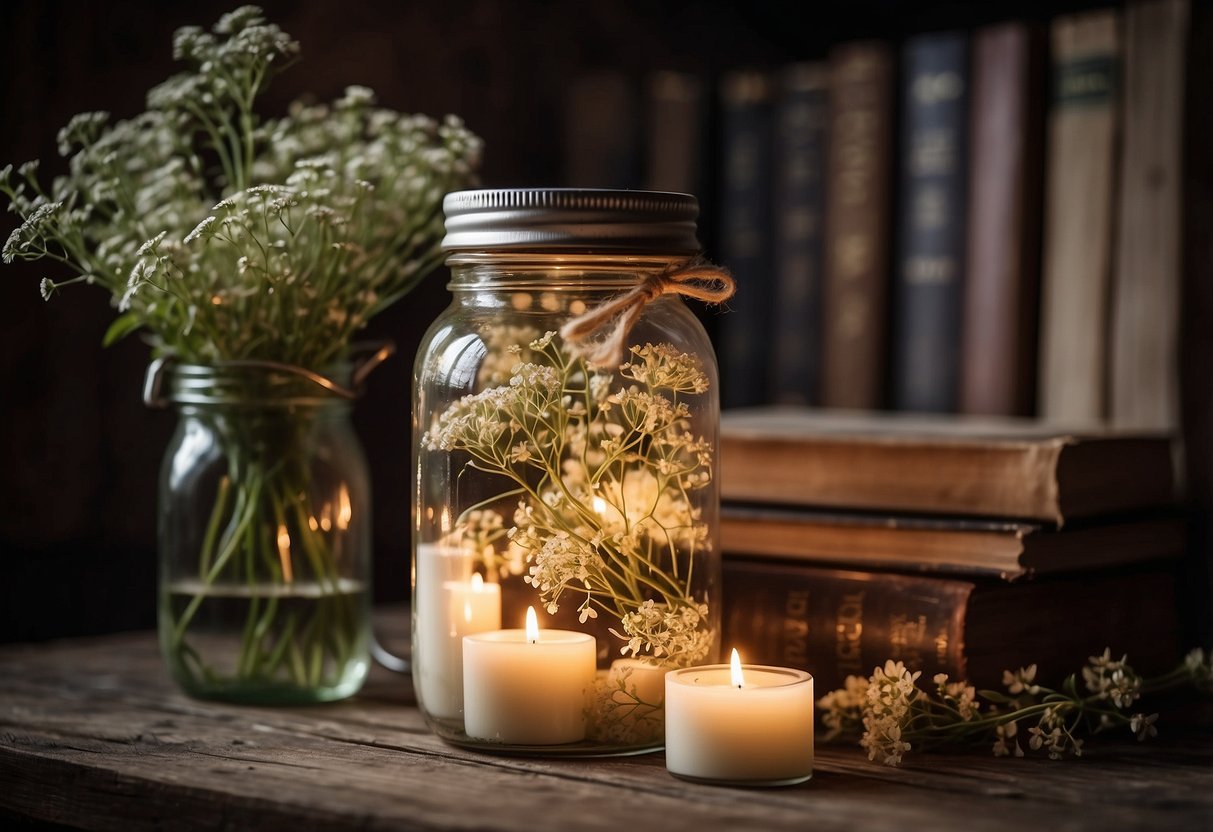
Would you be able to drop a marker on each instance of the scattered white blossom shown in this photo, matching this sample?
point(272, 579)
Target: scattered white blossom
point(1143, 726)
point(894, 715)
point(1021, 680)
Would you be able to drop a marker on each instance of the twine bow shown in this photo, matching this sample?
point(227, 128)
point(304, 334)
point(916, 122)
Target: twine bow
point(696, 278)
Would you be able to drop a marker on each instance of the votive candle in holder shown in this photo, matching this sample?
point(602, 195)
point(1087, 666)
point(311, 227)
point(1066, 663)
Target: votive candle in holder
point(527, 687)
point(745, 725)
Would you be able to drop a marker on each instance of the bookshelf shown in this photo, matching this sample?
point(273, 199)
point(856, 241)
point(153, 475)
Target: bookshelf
point(86, 484)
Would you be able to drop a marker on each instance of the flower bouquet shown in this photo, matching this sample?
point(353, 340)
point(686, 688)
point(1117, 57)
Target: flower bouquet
point(249, 252)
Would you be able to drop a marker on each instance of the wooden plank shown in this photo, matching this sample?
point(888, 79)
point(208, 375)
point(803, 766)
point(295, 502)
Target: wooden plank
point(93, 734)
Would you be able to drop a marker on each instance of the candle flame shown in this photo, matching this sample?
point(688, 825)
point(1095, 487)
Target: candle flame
point(532, 626)
point(345, 511)
point(477, 582)
point(735, 670)
point(284, 553)
point(467, 611)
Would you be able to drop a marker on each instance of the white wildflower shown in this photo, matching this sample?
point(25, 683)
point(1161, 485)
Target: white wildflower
point(200, 230)
point(151, 244)
point(1021, 680)
point(1143, 726)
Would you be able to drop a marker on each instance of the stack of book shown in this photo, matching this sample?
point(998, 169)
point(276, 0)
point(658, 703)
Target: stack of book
point(961, 546)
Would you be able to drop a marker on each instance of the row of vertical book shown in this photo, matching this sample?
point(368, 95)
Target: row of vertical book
point(982, 221)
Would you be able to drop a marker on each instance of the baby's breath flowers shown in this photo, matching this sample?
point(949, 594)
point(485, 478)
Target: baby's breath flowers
point(602, 468)
point(223, 236)
point(895, 715)
point(232, 240)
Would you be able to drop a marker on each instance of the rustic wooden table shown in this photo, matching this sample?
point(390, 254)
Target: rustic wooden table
point(93, 734)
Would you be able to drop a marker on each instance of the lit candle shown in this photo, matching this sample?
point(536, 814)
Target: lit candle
point(644, 680)
point(746, 725)
point(451, 603)
point(628, 704)
point(527, 687)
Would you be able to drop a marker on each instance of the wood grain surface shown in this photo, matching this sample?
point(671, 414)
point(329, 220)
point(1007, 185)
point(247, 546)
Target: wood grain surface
point(93, 734)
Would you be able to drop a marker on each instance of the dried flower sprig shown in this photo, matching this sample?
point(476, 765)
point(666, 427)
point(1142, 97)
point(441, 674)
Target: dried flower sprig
point(894, 715)
point(603, 471)
point(223, 236)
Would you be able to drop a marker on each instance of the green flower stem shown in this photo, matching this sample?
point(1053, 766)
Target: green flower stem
point(232, 547)
point(267, 500)
point(274, 660)
point(212, 526)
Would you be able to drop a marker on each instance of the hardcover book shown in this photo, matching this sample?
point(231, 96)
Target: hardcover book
point(857, 225)
point(1080, 192)
point(998, 341)
point(1146, 285)
point(956, 466)
point(930, 268)
point(747, 99)
point(602, 132)
point(675, 123)
point(835, 623)
point(1004, 549)
point(799, 217)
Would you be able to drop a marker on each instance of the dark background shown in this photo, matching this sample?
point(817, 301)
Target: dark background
point(79, 453)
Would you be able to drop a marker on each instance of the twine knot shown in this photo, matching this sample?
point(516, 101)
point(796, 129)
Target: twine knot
point(696, 278)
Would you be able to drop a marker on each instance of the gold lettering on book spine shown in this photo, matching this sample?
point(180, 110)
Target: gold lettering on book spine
point(848, 630)
point(796, 629)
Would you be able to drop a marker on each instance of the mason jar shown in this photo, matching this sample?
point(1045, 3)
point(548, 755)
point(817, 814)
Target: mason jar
point(566, 415)
point(264, 534)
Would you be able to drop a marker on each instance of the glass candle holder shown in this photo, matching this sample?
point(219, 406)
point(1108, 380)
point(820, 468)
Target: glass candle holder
point(581, 485)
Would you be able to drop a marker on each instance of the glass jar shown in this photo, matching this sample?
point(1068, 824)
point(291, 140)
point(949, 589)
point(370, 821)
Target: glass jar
point(264, 536)
point(584, 488)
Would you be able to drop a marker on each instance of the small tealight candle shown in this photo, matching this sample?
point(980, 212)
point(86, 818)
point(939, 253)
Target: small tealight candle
point(527, 687)
point(745, 725)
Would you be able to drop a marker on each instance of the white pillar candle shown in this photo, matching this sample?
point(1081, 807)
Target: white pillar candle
point(643, 680)
point(628, 704)
point(450, 603)
point(758, 732)
point(527, 687)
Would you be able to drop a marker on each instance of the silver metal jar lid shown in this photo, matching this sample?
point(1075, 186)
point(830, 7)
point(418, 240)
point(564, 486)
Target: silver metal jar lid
point(570, 219)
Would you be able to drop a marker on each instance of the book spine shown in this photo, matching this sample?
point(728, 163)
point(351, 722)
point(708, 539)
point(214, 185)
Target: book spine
point(675, 121)
point(799, 217)
point(745, 346)
point(1144, 390)
point(857, 225)
point(602, 140)
point(998, 341)
point(926, 348)
point(1080, 191)
point(835, 623)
